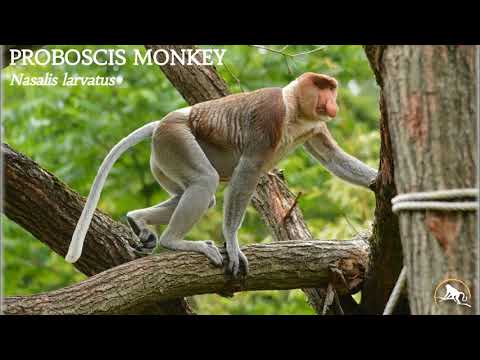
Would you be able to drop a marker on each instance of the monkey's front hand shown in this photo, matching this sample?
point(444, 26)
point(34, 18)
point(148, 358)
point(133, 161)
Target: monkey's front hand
point(235, 258)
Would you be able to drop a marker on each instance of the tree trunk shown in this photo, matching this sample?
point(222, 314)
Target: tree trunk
point(429, 97)
point(172, 275)
point(386, 255)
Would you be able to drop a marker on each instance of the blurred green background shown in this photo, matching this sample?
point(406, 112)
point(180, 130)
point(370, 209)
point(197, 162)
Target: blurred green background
point(69, 130)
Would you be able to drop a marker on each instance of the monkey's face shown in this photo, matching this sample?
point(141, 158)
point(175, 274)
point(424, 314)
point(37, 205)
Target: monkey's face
point(317, 97)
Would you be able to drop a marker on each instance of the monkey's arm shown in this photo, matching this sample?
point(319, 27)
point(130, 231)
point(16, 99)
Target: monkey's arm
point(237, 196)
point(325, 149)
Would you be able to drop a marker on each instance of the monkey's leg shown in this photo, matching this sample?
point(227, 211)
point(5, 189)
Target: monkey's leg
point(159, 214)
point(192, 205)
point(178, 155)
point(156, 215)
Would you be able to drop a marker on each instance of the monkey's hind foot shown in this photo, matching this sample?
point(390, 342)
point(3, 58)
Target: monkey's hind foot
point(148, 239)
point(212, 252)
point(206, 248)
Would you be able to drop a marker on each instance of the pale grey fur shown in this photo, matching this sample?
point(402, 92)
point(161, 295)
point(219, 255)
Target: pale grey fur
point(76, 245)
point(341, 164)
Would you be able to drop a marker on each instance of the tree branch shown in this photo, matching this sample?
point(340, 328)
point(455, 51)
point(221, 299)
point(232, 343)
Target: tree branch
point(171, 275)
point(48, 209)
point(283, 53)
point(286, 56)
point(196, 83)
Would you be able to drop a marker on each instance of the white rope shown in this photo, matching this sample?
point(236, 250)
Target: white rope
point(397, 290)
point(428, 200)
point(416, 200)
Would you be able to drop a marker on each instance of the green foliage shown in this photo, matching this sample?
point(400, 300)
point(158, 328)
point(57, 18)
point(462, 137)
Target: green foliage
point(69, 130)
point(255, 303)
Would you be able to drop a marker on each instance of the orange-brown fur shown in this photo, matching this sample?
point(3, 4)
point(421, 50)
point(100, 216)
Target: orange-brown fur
point(237, 120)
point(314, 92)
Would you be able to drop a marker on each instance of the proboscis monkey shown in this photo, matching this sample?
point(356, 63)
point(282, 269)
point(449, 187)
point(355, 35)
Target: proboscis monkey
point(236, 138)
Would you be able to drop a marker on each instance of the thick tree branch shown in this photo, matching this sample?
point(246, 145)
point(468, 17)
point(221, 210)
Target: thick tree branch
point(277, 206)
point(43, 205)
point(196, 83)
point(272, 199)
point(171, 275)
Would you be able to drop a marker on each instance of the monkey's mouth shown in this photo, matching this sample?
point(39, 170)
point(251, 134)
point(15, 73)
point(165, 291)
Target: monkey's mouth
point(322, 113)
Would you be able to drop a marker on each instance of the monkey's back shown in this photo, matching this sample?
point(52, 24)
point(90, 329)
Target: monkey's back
point(236, 120)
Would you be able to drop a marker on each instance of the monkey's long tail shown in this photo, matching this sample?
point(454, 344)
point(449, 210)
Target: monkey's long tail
point(78, 238)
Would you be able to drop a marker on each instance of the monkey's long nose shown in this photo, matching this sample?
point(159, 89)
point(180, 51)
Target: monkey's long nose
point(331, 109)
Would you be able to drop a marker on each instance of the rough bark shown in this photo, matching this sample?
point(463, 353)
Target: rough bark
point(272, 198)
point(430, 101)
point(196, 83)
point(44, 206)
point(386, 247)
point(278, 207)
point(171, 275)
